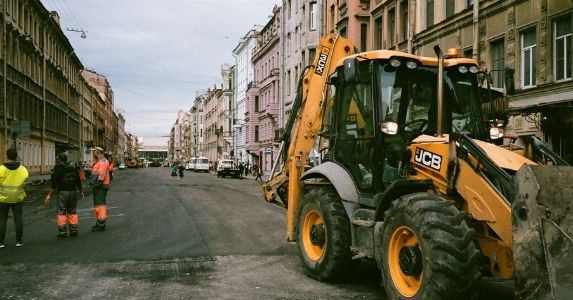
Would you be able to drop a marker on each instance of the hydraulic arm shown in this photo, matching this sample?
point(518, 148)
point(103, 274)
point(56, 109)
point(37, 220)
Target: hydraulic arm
point(305, 126)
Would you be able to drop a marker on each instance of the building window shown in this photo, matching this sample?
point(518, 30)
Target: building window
point(288, 82)
point(256, 133)
point(391, 26)
point(311, 55)
point(470, 3)
point(429, 13)
point(343, 32)
point(497, 62)
point(528, 64)
point(378, 33)
point(450, 8)
point(313, 16)
point(363, 36)
point(256, 103)
point(468, 53)
point(404, 20)
point(562, 52)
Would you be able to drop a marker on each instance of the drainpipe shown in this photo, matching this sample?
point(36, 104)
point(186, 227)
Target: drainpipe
point(4, 81)
point(411, 23)
point(475, 52)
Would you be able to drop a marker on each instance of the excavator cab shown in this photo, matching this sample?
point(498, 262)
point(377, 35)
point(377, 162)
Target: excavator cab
point(399, 92)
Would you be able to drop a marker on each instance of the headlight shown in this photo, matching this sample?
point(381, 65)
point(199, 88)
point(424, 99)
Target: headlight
point(411, 64)
point(463, 69)
point(389, 128)
point(394, 62)
point(474, 69)
point(495, 133)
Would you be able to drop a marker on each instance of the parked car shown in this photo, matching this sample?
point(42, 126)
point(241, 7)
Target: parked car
point(121, 166)
point(201, 164)
point(227, 167)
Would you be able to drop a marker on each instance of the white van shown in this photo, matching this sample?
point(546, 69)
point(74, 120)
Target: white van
point(201, 164)
point(190, 165)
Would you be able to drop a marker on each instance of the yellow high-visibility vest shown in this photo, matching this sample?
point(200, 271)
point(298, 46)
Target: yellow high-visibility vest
point(11, 184)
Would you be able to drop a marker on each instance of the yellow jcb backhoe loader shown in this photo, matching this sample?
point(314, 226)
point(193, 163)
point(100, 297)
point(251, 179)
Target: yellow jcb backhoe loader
point(412, 179)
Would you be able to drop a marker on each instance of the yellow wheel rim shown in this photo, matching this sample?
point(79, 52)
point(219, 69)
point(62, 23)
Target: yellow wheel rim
point(407, 285)
point(313, 236)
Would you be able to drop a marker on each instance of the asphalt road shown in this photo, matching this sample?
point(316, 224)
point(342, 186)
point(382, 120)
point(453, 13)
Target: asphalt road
point(204, 237)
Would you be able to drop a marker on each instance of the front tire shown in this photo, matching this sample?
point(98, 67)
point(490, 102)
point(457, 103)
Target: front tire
point(323, 235)
point(427, 250)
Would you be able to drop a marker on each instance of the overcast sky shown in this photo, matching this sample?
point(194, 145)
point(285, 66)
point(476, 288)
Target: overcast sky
point(157, 54)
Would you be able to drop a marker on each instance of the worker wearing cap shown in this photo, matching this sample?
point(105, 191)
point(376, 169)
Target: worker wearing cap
point(100, 183)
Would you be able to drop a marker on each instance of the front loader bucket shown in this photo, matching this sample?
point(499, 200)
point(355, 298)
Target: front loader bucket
point(542, 216)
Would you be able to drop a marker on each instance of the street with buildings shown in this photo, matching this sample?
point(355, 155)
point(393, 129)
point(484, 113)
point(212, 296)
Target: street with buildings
point(210, 237)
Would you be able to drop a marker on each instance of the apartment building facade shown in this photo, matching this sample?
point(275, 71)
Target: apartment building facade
point(263, 97)
point(525, 44)
point(48, 105)
point(197, 125)
point(213, 125)
point(177, 141)
point(227, 116)
point(302, 30)
point(244, 77)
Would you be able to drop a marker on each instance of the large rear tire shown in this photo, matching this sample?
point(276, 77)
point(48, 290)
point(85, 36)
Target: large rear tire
point(427, 250)
point(323, 234)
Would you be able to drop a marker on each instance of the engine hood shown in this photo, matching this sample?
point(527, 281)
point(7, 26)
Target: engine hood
point(504, 158)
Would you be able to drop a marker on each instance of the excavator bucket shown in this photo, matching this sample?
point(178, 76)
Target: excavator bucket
point(542, 216)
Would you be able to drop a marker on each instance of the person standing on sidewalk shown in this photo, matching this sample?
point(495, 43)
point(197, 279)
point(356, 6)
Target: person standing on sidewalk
point(67, 186)
point(12, 194)
point(99, 182)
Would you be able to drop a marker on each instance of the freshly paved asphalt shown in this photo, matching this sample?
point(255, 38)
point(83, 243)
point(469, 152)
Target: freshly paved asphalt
point(204, 237)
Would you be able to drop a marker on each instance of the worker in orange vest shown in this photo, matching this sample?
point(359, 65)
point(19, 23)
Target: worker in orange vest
point(99, 182)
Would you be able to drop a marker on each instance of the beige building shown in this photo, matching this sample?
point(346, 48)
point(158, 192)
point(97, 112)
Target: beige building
point(527, 43)
point(213, 125)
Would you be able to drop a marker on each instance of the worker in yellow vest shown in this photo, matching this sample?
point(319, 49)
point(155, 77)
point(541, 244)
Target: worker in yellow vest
point(12, 194)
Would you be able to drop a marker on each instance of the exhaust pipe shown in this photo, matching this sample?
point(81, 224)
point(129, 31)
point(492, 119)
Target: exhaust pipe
point(440, 97)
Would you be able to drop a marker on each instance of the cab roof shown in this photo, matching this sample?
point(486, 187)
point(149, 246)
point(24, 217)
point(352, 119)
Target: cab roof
point(426, 61)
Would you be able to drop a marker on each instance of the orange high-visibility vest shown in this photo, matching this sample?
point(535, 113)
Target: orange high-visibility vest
point(101, 170)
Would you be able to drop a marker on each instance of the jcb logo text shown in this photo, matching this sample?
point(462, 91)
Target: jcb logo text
point(322, 61)
point(428, 159)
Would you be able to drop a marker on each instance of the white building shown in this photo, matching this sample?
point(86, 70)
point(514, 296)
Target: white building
point(245, 76)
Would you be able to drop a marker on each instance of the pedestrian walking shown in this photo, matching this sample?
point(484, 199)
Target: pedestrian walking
point(181, 170)
point(174, 169)
point(247, 169)
point(259, 173)
point(241, 169)
point(12, 194)
point(99, 182)
point(67, 188)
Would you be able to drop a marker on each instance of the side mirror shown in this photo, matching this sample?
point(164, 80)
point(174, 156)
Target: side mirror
point(350, 70)
point(389, 128)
